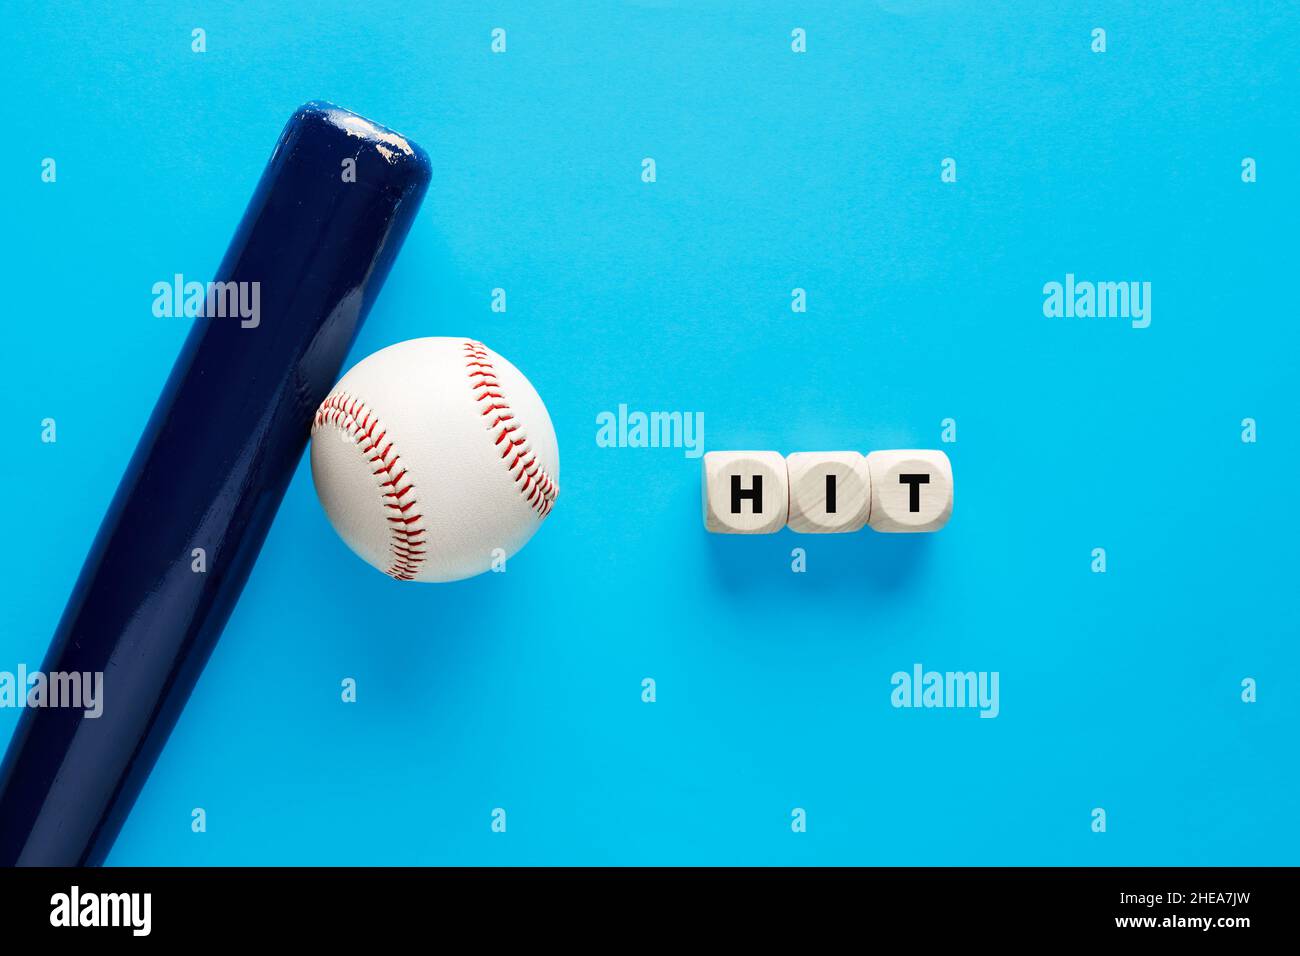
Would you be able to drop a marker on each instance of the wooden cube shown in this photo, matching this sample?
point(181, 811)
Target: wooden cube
point(745, 492)
point(911, 490)
point(830, 491)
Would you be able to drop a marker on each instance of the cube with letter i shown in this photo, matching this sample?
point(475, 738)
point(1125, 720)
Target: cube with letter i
point(830, 491)
point(911, 490)
point(745, 492)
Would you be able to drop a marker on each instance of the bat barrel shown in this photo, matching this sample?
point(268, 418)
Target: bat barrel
point(310, 254)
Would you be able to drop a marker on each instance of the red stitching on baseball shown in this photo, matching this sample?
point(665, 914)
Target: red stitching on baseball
point(536, 487)
point(406, 534)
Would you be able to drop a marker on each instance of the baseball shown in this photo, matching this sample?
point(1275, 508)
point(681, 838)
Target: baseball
point(434, 458)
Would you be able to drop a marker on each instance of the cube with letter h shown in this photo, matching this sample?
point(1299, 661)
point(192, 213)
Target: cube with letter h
point(759, 492)
point(745, 492)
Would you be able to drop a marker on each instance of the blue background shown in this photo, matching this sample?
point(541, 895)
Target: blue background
point(775, 170)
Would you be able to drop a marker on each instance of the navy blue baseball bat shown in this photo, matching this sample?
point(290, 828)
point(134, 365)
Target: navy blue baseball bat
point(311, 253)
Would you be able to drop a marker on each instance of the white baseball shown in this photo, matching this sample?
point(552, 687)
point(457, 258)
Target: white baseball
point(433, 457)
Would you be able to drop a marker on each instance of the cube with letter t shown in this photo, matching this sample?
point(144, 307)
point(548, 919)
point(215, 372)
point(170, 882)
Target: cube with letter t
point(911, 490)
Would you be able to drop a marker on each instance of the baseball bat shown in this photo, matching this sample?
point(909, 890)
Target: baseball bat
point(310, 254)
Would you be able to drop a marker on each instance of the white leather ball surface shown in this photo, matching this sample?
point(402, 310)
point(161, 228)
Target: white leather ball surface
point(430, 455)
